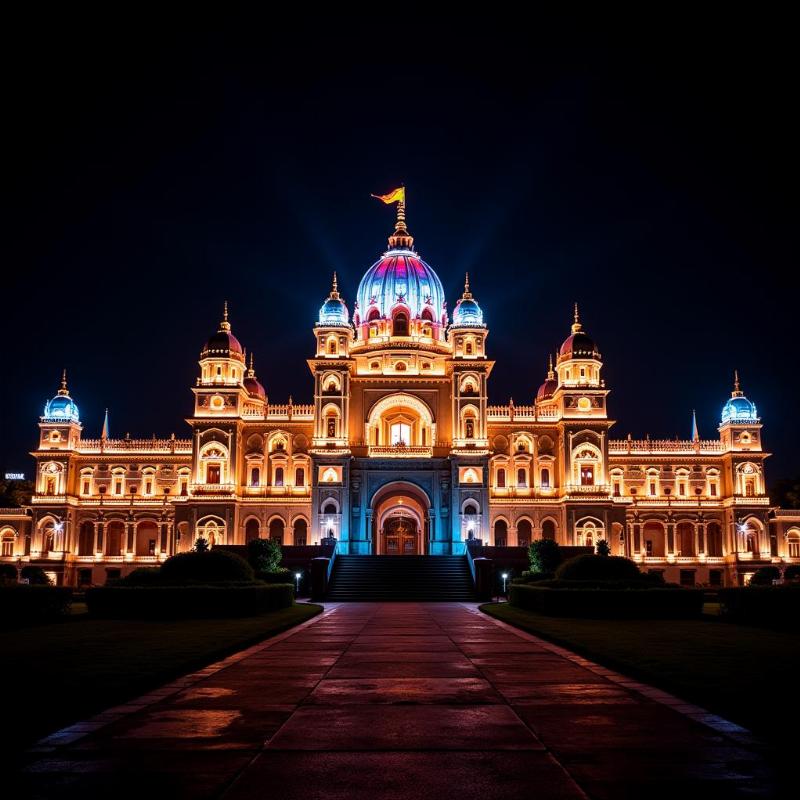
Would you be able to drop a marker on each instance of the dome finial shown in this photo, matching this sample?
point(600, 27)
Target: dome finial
point(334, 295)
point(737, 391)
point(550, 374)
point(225, 325)
point(576, 320)
point(63, 391)
point(695, 430)
point(467, 293)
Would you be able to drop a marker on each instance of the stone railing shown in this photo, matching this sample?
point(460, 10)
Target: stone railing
point(135, 445)
point(400, 451)
point(213, 488)
point(290, 411)
point(510, 413)
point(598, 489)
point(648, 446)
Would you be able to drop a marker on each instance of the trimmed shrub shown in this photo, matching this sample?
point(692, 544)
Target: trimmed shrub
point(183, 602)
point(764, 576)
point(532, 577)
point(264, 555)
point(281, 575)
point(143, 576)
point(766, 606)
point(23, 604)
point(36, 576)
point(590, 567)
point(205, 567)
point(544, 555)
point(603, 548)
point(792, 572)
point(606, 603)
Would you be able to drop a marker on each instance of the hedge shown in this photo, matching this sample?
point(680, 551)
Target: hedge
point(208, 566)
point(25, 604)
point(590, 567)
point(281, 575)
point(608, 603)
point(194, 601)
point(767, 606)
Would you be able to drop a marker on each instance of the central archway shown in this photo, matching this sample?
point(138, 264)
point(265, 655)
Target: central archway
point(400, 512)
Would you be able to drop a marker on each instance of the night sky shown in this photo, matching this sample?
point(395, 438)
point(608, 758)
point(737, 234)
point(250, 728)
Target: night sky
point(153, 172)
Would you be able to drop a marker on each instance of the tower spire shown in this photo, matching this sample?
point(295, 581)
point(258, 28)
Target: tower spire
point(63, 388)
point(334, 295)
point(550, 373)
point(576, 320)
point(467, 293)
point(401, 237)
point(737, 390)
point(104, 432)
point(225, 325)
point(695, 431)
point(251, 373)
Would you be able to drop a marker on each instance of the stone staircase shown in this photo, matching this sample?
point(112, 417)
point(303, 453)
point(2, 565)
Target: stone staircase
point(375, 578)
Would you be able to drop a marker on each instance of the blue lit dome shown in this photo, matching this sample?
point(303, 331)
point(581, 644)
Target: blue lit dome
point(739, 408)
point(62, 406)
point(334, 311)
point(400, 277)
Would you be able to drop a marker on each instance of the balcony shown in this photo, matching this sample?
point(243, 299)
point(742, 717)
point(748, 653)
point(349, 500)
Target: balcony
point(213, 488)
point(600, 489)
point(400, 451)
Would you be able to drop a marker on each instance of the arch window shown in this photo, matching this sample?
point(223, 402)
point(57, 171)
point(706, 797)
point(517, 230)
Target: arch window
point(7, 543)
point(255, 476)
point(115, 531)
point(714, 539)
point(276, 528)
point(86, 538)
point(545, 478)
point(299, 476)
point(278, 476)
point(470, 476)
point(793, 544)
point(500, 533)
point(654, 539)
point(684, 533)
point(400, 434)
point(524, 533)
point(146, 538)
point(400, 324)
point(300, 532)
point(252, 530)
point(549, 529)
point(470, 508)
point(589, 533)
point(330, 475)
point(332, 348)
point(469, 347)
point(213, 531)
point(501, 478)
point(522, 478)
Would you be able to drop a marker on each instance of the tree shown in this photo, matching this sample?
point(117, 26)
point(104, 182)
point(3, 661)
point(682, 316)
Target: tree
point(603, 548)
point(15, 494)
point(786, 493)
point(544, 555)
point(264, 555)
point(201, 545)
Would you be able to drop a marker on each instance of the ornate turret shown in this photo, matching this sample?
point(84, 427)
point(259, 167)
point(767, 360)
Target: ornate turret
point(739, 409)
point(62, 407)
point(334, 311)
point(467, 313)
point(223, 344)
point(252, 384)
point(548, 388)
point(401, 238)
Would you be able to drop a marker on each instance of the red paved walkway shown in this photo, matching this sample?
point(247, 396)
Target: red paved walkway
point(400, 701)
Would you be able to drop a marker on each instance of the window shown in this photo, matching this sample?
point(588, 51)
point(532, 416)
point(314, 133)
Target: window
point(500, 533)
point(617, 491)
point(373, 332)
point(524, 533)
point(501, 479)
point(545, 479)
point(212, 473)
point(255, 476)
point(549, 529)
point(400, 434)
point(522, 478)
point(687, 577)
point(85, 489)
point(276, 530)
point(117, 487)
point(251, 530)
point(712, 489)
point(278, 476)
point(682, 489)
point(468, 348)
point(8, 544)
point(715, 577)
point(184, 487)
point(300, 532)
point(794, 545)
point(332, 427)
point(648, 548)
point(470, 428)
point(652, 488)
point(587, 475)
point(332, 346)
point(400, 324)
point(299, 477)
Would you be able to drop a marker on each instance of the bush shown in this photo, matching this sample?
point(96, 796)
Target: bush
point(764, 576)
point(544, 555)
point(8, 574)
point(182, 602)
point(766, 606)
point(36, 576)
point(23, 604)
point(533, 577)
point(205, 567)
point(281, 575)
point(591, 567)
point(605, 603)
point(264, 555)
point(143, 576)
point(603, 548)
point(792, 572)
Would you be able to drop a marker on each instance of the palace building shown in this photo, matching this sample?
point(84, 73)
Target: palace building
point(400, 452)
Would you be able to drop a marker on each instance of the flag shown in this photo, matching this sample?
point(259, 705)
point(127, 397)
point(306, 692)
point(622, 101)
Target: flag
point(104, 433)
point(395, 196)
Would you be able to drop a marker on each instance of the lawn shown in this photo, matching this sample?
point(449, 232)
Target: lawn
point(746, 674)
point(53, 675)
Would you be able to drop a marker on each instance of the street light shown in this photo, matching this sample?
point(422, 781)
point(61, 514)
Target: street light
point(297, 577)
point(504, 576)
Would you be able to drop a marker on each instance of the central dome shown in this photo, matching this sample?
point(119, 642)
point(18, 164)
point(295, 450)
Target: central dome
point(400, 278)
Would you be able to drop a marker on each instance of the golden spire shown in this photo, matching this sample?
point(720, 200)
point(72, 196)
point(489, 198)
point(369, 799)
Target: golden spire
point(63, 388)
point(225, 325)
point(251, 373)
point(576, 320)
point(401, 237)
point(737, 390)
point(467, 293)
point(550, 374)
point(334, 288)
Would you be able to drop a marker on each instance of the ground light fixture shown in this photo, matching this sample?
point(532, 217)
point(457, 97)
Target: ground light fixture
point(504, 576)
point(297, 577)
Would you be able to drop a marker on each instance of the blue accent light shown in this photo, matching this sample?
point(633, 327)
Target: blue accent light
point(334, 312)
point(739, 409)
point(467, 314)
point(61, 407)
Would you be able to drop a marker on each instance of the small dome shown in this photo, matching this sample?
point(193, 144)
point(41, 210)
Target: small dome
point(547, 389)
point(62, 406)
point(223, 344)
point(254, 388)
point(467, 312)
point(578, 344)
point(334, 311)
point(739, 408)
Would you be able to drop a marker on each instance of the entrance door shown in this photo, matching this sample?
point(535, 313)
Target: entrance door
point(400, 536)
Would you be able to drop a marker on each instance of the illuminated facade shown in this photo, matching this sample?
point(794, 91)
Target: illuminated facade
point(400, 452)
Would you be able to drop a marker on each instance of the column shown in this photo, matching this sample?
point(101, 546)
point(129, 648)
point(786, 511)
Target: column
point(164, 537)
point(130, 529)
point(703, 538)
point(670, 538)
point(696, 539)
point(99, 535)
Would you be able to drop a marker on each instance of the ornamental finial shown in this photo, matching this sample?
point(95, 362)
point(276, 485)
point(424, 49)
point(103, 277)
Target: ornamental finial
point(251, 373)
point(225, 325)
point(550, 374)
point(334, 288)
point(401, 237)
point(63, 388)
point(737, 391)
point(576, 320)
point(467, 293)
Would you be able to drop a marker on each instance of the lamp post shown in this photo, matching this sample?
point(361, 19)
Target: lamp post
point(297, 577)
point(504, 576)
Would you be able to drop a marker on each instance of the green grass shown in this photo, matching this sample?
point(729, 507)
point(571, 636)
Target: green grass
point(746, 674)
point(54, 675)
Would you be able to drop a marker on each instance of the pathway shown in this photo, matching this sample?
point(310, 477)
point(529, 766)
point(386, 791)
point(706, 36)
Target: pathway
point(401, 700)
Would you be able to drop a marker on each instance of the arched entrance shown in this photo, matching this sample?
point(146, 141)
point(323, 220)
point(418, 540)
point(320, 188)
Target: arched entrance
point(400, 520)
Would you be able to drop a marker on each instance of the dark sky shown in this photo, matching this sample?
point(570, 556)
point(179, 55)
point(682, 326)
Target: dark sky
point(649, 172)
